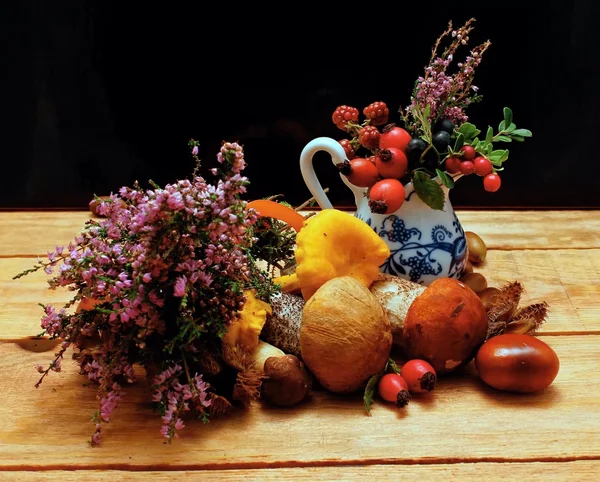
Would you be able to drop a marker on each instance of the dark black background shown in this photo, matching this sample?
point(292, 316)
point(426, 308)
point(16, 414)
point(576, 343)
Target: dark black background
point(97, 94)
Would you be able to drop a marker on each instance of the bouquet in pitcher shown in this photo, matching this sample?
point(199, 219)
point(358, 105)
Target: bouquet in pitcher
point(436, 143)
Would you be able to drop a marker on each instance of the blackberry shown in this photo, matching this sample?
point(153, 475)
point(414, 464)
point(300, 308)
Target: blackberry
point(443, 125)
point(441, 140)
point(415, 148)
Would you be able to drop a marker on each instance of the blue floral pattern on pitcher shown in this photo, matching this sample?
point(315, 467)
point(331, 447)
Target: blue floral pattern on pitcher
point(414, 255)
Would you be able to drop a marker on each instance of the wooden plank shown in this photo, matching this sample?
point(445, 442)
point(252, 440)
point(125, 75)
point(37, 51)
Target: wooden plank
point(462, 421)
point(538, 229)
point(32, 232)
point(569, 280)
point(532, 471)
point(25, 233)
point(19, 310)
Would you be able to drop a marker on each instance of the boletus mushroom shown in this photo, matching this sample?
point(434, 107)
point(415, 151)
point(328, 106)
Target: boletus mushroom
point(286, 382)
point(445, 325)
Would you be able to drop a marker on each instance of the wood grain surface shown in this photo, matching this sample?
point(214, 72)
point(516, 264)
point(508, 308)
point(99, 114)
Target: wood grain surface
point(462, 420)
point(461, 431)
point(464, 472)
point(25, 233)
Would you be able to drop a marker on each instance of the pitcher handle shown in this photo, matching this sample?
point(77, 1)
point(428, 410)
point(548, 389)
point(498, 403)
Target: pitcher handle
point(338, 155)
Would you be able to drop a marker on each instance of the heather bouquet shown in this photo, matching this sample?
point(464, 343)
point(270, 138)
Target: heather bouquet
point(433, 143)
point(156, 283)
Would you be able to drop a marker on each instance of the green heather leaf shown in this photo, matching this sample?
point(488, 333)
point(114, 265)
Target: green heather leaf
point(518, 138)
point(511, 127)
point(490, 134)
point(501, 126)
point(460, 141)
point(522, 132)
point(370, 390)
point(426, 113)
point(503, 139)
point(508, 116)
point(445, 178)
point(428, 190)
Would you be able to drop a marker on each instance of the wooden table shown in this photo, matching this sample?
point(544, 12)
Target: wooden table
point(463, 430)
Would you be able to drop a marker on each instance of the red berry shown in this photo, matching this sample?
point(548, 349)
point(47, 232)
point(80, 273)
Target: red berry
point(419, 375)
point(391, 163)
point(344, 114)
point(377, 113)
point(467, 167)
point(360, 172)
point(492, 182)
point(468, 152)
point(393, 388)
point(386, 196)
point(394, 136)
point(483, 166)
point(348, 148)
point(368, 137)
point(453, 164)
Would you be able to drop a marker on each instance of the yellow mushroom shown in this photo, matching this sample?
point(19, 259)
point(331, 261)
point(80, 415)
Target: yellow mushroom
point(334, 243)
point(244, 331)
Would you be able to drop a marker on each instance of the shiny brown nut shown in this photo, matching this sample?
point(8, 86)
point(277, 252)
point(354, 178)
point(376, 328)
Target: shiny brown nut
point(476, 248)
point(475, 281)
point(488, 296)
point(467, 269)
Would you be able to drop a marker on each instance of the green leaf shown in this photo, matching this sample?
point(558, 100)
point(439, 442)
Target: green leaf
point(445, 178)
point(501, 126)
point(497, 157)
point(522, 132)
point(490, 134)
point(511, 127)
point(484, 147)
point(468, 130)
point(428, 190)
point(508, 116)
point(370, 390)
point(518, 138)
point(503, 138)
point(460, 141)
point(391, 367)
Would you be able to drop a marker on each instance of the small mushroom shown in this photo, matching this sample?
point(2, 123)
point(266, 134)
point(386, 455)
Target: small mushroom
point(287, 382)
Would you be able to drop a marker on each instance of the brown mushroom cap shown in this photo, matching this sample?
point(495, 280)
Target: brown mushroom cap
point(287, 381)
point(445, 325)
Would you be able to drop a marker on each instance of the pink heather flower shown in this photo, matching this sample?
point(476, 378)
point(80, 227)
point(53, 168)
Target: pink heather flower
point(195, 151)
point(180, 287)
point(96, 438)
point(189, 235)
point(175, 201)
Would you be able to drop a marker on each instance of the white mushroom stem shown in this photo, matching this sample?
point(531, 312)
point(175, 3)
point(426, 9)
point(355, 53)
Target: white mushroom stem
point(263, 351)
point(396, 295)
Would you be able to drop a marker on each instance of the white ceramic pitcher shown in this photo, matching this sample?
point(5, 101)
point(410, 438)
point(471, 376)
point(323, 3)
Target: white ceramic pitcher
point(425, 244)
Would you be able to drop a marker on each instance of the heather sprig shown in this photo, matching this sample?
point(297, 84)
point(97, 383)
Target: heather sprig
point(159, 280)
point(448, 94)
